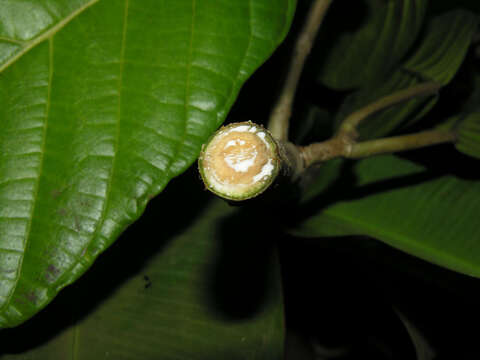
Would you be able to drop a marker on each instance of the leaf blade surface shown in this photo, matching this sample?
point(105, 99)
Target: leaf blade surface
point(101, 115)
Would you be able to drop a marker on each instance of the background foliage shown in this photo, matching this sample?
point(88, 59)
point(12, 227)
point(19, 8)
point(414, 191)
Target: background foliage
point(182, 261)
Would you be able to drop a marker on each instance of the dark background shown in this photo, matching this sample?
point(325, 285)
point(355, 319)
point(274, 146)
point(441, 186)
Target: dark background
point(343, 296)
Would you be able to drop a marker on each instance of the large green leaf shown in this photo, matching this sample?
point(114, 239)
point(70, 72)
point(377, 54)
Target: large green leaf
point(107, 106)
point(398, 202)
point(442, 50)
point(382, 33)
point(199, 288)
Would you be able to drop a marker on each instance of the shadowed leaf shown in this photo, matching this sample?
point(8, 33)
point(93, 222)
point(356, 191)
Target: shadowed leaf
point(182, 286)
point(438, 58)
point(468, 131)
point(396, 201)
point(382, 33)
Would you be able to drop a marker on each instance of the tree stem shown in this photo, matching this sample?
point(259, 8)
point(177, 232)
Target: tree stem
point(349, 126)
point(400, 143)
point(279, 118)
point(343, 147)
point(324, 151)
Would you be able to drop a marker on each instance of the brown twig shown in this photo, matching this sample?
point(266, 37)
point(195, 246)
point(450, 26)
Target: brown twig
point(350, 124)
point(343, 147)
point(400, 143)
point(279, 118)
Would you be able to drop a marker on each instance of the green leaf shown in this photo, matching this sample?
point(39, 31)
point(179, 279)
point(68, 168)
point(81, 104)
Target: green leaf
point(444, 46)
point(193, 290)
point(97, 118)
point(383, 33)
point(468, 135)
point(438, 58)
point(399, 203)
point(24, 24)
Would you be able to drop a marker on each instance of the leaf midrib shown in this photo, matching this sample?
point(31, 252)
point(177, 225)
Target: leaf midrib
point(29, 45)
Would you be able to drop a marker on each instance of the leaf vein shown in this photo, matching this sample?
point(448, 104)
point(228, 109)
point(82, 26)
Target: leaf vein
point(40, 171)
point(117, 136)
point(46, 35)
point(187, 85)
